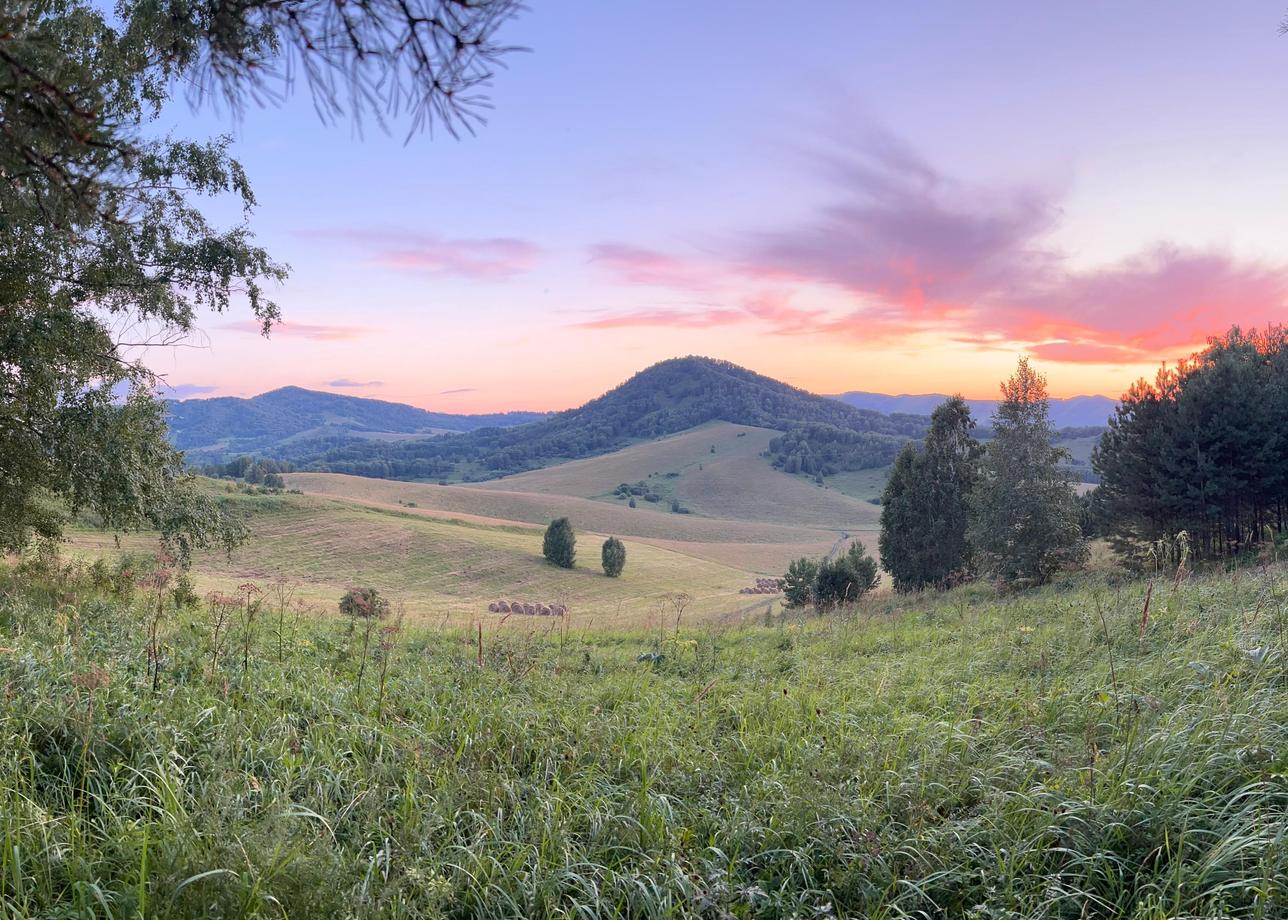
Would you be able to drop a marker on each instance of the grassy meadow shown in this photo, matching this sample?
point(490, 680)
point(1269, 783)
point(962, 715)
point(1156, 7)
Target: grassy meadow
point(1103, 747)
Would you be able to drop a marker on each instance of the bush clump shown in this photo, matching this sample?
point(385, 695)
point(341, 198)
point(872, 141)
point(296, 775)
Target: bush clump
point(363, 603)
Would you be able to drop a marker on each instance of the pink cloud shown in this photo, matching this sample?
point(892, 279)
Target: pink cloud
point(292, 330)
point(917, 252)
point(494, 257)
point(771, 309)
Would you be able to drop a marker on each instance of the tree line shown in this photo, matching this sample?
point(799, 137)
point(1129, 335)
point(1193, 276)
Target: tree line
point(1200, 451)
point(1190, 467)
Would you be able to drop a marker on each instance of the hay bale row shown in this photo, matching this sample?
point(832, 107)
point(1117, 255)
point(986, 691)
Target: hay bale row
point(526, 609)
point(764, 586)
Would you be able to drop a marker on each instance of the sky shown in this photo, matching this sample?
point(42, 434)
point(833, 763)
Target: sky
point(898, 198)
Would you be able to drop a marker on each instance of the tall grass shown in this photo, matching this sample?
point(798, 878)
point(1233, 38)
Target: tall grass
point(965, 755)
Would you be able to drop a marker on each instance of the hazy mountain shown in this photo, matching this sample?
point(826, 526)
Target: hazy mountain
point(1074, 412)
point(214, 429)
point(668, 397)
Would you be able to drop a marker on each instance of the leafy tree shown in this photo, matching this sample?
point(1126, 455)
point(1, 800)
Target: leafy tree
point(798, 583)
point(925, 508)
point(1024, 513)
point(613, 556)
point(560, 543)
point(845, 579)
point(103, 248)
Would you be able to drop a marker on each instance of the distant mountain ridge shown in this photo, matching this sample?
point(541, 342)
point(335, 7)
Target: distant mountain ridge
point(1073, 412)
point(667, 398)
point(215, 429)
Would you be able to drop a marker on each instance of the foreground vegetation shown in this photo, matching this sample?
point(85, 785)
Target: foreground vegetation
point(1097, 748)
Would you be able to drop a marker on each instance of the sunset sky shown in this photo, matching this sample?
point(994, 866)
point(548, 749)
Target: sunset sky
point(846, 196)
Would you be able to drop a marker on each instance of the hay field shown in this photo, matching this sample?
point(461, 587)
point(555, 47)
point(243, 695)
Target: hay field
point(442, 569)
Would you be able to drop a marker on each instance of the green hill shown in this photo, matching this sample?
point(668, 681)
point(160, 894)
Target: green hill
point(667, 398)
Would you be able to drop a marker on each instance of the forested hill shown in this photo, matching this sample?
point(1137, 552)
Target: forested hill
point(666, 398)
point(212, 430)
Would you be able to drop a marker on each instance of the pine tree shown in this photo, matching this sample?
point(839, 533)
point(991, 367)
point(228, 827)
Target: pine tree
point(798, 583)
point(1200, 450)
point(613, 556)
point(560, 543)
point(1024, 513)
point(925, 509)
point(902, 540)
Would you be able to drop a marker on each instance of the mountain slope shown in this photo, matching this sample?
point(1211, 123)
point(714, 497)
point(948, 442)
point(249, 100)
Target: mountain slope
point(667, 398)
point(1074, 412)
point(213, 429)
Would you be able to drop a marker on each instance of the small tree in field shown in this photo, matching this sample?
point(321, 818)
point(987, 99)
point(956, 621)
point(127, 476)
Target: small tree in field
point(798, 583)
point(560, 544)
point(1024, 513)
point(614, 557)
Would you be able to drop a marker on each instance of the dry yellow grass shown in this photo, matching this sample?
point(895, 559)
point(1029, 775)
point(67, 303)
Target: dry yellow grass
point(462, 547)
point(443, 569)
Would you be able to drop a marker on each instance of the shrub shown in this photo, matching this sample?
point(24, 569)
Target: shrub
point(560, 544)
point(845, 579)
point(184, 593)
point(614, 557)
point(364, 603)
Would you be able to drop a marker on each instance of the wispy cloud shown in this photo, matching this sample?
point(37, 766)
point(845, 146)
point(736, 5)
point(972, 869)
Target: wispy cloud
point(491, 257)
point(457, 391)
point(912, 251)
point(346, 383)
point(771, 309)
point(314, 331)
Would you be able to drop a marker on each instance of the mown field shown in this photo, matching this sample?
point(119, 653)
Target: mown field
point(743, 514)
point(440, 568)
point(1048, 754)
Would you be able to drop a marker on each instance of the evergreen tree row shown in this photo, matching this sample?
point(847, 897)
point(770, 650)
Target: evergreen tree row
point(954, 509)
point(1200, 451)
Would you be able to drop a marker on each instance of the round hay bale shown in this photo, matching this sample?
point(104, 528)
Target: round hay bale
point(516, 606)
point(558, 610)
point(543, 610)
point(492, 607)
point(502, 607)
point(530, 609)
